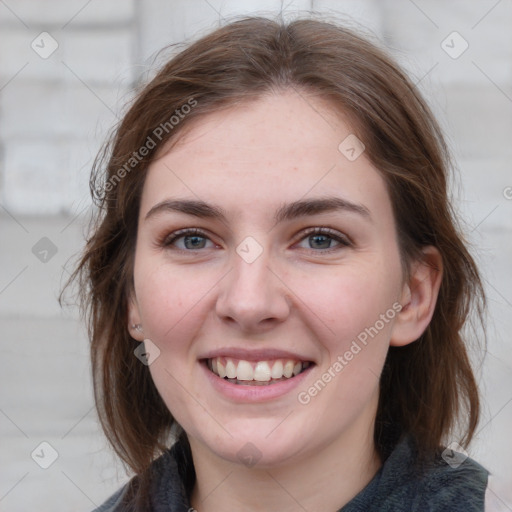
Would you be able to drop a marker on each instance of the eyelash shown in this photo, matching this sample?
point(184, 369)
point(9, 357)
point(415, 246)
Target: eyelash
point(343, 241)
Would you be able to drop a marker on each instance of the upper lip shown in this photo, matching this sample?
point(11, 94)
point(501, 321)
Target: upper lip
point(254, 355)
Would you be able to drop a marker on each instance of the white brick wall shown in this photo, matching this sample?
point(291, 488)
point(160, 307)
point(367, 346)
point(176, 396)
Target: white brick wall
point(68, 101)
point(55, 111)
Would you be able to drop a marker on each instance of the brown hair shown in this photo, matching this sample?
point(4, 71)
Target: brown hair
point(425, 386)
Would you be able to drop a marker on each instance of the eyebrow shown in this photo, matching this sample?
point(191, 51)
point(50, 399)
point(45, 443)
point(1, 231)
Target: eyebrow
point(290, 211)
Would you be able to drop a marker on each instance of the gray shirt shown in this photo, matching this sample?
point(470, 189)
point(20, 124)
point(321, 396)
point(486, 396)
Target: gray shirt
point(398, 486)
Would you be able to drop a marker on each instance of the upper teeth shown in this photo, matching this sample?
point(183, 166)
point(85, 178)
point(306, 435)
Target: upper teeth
point(261, 371)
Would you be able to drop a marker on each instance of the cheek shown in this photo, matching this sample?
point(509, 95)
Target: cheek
point(357, 307)
point(170, 300)
point(349, 300)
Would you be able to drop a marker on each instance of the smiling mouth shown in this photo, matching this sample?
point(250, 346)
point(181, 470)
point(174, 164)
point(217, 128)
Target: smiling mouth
point(256, 373)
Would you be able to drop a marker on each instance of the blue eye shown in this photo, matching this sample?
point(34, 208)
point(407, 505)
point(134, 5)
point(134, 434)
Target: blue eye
point(318, 240)
point(192, 239)
point(325, 239)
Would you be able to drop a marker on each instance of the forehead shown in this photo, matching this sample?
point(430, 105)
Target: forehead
point(289, 123)
point(281, 147)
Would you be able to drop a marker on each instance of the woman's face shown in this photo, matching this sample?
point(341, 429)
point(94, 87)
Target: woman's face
point(266, 246)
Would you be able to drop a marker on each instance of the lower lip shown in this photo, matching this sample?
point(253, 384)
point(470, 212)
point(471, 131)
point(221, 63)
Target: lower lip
point(248, 393)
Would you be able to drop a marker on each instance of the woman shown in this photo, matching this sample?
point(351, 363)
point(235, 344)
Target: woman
point(276, 280)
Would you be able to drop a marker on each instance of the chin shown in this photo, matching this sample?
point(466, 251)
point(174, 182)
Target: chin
point(257, 446)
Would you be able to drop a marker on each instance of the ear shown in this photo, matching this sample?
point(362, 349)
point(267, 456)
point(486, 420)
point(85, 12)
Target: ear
point(134, 319)
point(419, 297)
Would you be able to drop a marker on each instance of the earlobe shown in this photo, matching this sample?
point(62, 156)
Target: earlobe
point(419, 297)
point(134, 320)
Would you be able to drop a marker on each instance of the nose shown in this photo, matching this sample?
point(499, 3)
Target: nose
point(253, 297)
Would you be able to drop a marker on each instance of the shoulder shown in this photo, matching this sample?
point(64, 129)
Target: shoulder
point(115, 502)
point(404, 485)
point(455, 486)
point(452, 481)
point(167, 489)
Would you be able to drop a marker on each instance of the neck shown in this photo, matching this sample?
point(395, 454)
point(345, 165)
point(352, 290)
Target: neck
point(323, 481)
